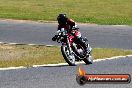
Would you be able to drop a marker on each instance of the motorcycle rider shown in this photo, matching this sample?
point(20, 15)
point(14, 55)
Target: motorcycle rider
point(69, 25)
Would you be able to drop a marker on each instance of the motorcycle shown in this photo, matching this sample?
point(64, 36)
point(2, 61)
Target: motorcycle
point(72, 51)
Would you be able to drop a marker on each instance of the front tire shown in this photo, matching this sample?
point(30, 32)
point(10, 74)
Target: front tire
point(66, 55)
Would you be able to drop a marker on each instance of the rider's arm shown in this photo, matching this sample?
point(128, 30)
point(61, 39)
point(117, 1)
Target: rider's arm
point(73, 25)
point(71, 22)
point(60, 28)
point(58, 32)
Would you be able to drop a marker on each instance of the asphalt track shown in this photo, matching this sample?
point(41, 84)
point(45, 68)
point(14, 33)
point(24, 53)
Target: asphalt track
point(65, 76)
point(39, 33)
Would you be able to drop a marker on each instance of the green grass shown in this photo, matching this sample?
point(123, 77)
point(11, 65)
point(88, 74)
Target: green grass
point(86, 11)
point(23, 55)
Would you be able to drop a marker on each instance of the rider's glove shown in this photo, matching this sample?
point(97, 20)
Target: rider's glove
point(54, 38)
point(75, 27)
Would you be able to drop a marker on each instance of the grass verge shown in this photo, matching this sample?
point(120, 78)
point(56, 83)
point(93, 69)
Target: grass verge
point(86, 11)
point(24, 55)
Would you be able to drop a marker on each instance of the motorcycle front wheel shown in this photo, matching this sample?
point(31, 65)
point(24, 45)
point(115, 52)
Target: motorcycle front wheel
point(70, 59)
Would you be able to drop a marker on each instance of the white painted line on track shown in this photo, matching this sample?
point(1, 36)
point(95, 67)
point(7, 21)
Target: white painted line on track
point(12, 68)
point(50, 45)
point(63, 64)
point(31, 44)
point(13, 43)
point(1, 42)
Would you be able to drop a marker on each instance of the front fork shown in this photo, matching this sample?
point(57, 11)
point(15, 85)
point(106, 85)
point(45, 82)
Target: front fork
point(69, 46)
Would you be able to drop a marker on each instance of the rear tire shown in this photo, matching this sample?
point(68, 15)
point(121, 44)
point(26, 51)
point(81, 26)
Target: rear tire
point(65, 55)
